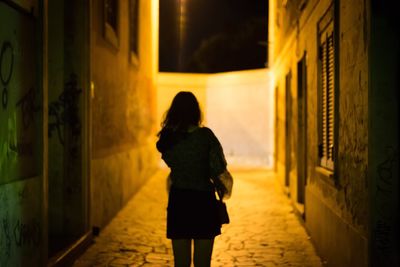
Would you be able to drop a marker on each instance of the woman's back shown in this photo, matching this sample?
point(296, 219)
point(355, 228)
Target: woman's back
point(189, 158)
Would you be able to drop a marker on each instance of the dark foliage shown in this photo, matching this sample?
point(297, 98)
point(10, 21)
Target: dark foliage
point(238, 49)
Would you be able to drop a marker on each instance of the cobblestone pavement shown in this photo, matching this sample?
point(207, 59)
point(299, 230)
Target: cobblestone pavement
point(264, 231)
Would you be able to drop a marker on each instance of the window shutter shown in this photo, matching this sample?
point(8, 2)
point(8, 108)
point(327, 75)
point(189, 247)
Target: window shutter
point(326, 120)
point(330, 97)
point(324, 77)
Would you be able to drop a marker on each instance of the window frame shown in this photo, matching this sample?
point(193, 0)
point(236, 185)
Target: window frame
point(327, 90)
point(134, 21)
point(111, 32)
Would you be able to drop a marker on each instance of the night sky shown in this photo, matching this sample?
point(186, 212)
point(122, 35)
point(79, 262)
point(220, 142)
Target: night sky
point(212, 35)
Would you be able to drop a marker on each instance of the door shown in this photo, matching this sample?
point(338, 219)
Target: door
point(67, 129)
point(276, 135)
point(288, 116)
point(302, 129)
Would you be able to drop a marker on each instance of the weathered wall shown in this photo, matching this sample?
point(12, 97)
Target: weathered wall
point(123, 111)
point(353, 114)
point(21, 138)
point(336, 205)
point(383, 137)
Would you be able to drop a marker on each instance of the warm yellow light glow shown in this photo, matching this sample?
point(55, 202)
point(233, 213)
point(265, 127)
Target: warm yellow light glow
point(271, 31)
point(237, 105)
point(155, 29)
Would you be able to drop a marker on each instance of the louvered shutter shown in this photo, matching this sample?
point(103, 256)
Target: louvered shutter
point(324, 101)
point(330, 100)
point(327, 97)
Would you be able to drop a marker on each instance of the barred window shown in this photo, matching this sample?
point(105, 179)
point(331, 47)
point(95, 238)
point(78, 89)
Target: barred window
point(326, 88)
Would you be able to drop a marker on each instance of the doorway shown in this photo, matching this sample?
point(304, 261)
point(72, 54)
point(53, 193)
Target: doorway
point(288, 116)
point(67, 129)
point(276, 135)
point(302, 129)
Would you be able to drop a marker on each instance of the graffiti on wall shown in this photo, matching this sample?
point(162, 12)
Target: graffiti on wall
point(5, 237)
point(20, 139)
point(64, 118)
point(17, 234)
point(20, 229)
point(26, 233)
point(28, 108)
point(6, 70)
point(18, 111)
point(20, 226)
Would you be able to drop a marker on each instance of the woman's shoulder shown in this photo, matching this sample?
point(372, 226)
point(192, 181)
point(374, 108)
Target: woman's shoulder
point(206, 130)
point(209, 134)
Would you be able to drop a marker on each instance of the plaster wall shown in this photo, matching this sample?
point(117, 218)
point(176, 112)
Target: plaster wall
point(340, 196)
point(21, 137)
point(232, 104)
point(123, 110)
point(240, 110)
point(21, 232)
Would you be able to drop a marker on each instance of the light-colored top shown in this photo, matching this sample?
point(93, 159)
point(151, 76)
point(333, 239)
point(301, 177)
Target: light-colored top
point(195, 159)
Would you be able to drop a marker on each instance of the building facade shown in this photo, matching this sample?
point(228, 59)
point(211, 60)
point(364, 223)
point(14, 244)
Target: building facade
point(336, 139)
point(77, 121)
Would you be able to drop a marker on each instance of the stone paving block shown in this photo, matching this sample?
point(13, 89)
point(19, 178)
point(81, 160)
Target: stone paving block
point(154, 265)
point(161, 249)
point(159, 256)
point(121, 261)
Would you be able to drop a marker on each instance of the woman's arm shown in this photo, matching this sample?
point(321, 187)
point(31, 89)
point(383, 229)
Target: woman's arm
point(220, 175)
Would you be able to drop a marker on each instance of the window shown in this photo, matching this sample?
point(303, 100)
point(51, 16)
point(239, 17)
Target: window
point(111, 22)
point(326, 90)
point(134, 31)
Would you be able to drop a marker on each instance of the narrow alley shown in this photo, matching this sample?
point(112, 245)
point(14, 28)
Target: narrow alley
point(301, 94)
point(264, 231)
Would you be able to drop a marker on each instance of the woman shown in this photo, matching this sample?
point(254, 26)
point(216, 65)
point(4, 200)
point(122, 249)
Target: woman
point(197, 163)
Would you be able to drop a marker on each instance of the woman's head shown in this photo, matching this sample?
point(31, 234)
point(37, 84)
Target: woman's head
point(183, 112)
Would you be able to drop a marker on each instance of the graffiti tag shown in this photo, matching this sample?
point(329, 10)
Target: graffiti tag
point(27, 234)
point(28, 108)
point(65, 111)
point(6, 62)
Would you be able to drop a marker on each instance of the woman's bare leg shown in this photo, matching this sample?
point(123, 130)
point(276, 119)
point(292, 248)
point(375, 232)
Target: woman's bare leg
point(202, 252)
point(182, 252)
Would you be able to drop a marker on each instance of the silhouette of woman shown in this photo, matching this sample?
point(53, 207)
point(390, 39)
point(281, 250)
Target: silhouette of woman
point(198, 169)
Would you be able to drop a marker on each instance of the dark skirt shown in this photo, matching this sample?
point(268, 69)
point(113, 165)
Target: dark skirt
point(192, 214)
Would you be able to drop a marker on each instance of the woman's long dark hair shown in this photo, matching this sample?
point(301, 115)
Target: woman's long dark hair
point(183, 112)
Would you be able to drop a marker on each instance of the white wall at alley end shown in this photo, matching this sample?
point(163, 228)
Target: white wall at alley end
point(238, 106)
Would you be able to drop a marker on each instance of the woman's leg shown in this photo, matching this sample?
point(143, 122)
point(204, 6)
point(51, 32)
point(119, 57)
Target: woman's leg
point(202, 252)
point(182, 252)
